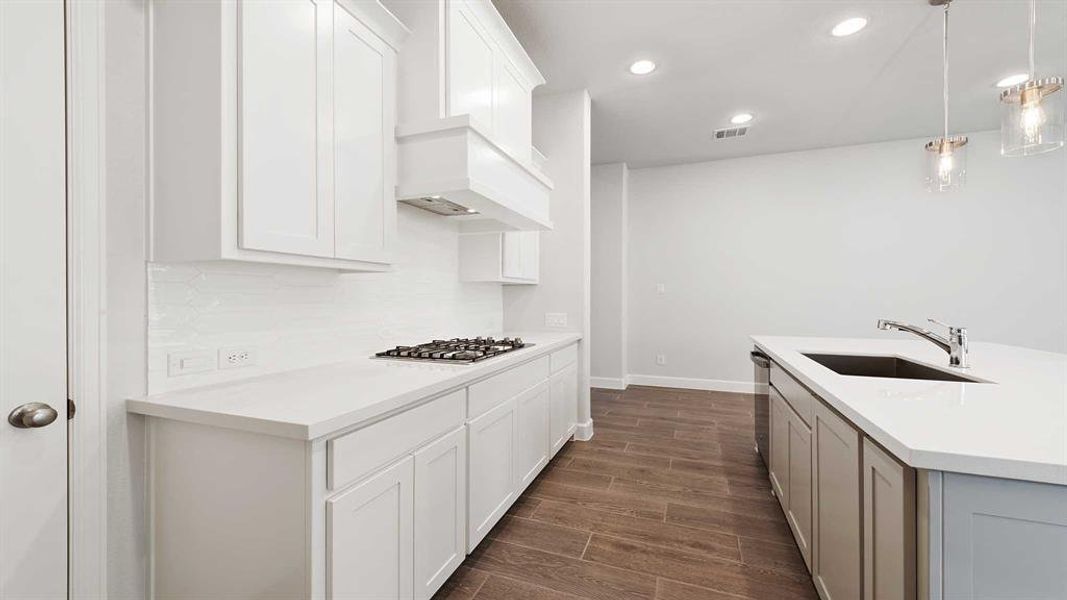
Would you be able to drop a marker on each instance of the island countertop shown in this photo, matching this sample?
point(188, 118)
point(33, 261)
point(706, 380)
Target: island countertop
point(310, 403)
point(1013, 426)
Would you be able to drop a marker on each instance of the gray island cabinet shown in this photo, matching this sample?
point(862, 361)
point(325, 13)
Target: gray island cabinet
point(875, 522)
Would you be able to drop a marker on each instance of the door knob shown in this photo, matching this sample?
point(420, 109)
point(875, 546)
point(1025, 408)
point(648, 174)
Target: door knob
point(32, 414)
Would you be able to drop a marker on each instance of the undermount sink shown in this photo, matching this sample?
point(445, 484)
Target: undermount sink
point(890, 367)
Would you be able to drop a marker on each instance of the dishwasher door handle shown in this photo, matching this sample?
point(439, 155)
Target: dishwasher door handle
point(762, 360)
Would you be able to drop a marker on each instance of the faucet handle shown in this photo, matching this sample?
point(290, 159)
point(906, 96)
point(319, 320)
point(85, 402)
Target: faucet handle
point(951, 328)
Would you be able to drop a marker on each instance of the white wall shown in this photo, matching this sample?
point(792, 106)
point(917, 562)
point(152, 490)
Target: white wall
point(609, 280)
point(561, 132)
point(826, 242)
point(124, 152)
point(296, 317)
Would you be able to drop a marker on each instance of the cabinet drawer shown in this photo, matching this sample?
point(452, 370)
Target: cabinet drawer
point(498, 388)
point(795, 394)
point(353, 455)
point(560, 359)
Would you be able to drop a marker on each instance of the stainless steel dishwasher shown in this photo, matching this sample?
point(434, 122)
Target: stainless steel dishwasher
point(763, 407)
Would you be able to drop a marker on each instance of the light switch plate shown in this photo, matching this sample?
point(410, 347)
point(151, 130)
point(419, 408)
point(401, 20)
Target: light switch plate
point(190, 361)
point(555, 319)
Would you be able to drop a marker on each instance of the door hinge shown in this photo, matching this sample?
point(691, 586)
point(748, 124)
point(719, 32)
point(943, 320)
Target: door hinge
point(71, 409)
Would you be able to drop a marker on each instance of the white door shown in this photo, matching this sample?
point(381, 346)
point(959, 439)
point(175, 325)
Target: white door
point(440, 511)
point(531, 422)
point(286, 128)
point(370, 537)
point(491, 474)
point(364, 100)
point(33, 328)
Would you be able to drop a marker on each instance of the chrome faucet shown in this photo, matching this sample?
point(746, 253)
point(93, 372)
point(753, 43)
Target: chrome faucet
point(955, 344)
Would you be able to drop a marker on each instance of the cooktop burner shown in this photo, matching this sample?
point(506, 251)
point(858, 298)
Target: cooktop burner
point(456, 350)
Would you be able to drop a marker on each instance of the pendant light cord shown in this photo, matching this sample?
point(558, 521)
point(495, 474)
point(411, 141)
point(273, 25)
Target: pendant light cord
point(1033, 28)
point(944, 62)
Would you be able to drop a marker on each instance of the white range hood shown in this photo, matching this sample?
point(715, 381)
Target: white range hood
point(455, 160)
point(465, 118)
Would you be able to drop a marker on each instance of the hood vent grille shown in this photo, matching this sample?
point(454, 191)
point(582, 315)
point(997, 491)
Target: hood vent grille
point(438, 205)
point(730, 132)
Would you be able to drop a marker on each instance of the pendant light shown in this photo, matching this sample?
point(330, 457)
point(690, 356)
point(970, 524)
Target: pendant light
point(1032, 112)
point(947, 160)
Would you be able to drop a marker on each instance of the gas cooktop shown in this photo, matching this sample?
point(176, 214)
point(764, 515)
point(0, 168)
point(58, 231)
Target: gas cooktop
point(456, 350)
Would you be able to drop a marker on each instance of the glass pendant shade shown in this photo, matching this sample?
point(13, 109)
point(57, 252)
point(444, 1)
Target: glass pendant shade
point(946, 163)
point(1032, 117)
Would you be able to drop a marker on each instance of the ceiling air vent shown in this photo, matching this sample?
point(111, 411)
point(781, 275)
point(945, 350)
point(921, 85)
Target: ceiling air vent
point(730, 132)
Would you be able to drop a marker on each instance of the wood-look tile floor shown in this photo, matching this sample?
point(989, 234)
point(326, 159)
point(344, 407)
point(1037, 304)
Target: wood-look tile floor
point(667, 501)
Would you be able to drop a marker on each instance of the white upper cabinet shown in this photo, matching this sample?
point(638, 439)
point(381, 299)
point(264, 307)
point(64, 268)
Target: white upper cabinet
point(285, 130)
point(470, 66)
point(272, 135)
point(364, 145)
point(465, 114)
point(501, 257)
point(513, 108)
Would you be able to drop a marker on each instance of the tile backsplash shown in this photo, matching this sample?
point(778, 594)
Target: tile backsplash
point(293, 317)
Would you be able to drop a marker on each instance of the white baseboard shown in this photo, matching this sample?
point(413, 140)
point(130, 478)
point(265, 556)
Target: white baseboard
point(583, 432)
point(608, 383)
point(715, 385)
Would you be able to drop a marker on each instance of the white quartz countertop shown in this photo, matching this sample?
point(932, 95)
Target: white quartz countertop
point(310, 403)
point(1013, 427)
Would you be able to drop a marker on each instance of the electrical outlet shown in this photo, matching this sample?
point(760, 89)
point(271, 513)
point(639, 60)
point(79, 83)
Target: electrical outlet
point(661, 288)
point(661, 359)
point(236, 356)
point(190, 361)
point(555, 319)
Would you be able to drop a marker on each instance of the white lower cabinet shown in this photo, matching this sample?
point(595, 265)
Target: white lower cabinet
point(836, 499)
point(888, 526)
point(440, 511)
point(531, 419)
point(370, 536)
point(563, 407)
point(791, 470)
point(778, 465)
point(383, 510)
point(491, 459)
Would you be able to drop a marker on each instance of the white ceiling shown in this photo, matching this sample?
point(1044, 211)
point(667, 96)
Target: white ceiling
point(776, 59)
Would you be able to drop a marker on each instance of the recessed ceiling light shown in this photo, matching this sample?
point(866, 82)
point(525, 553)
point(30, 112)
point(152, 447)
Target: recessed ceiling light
point(741, 119)
point(1011, 80)
point(849, 26)
point(642, 67)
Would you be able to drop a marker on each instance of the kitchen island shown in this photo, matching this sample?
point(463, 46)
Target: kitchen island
point(905, 488)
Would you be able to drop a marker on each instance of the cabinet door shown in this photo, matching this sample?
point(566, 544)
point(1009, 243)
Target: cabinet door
point(888, 526)
point(470, 66)
point(836, 489)
point(1003, 538)
point(370, 536)
point(286, 129)
point(511, 255)
point(440, 511)
point(531, 423)
point(491, 475)
point(520, 258)
point(512, 108)
point(778, 466)
point(364, 99)
point(563, 409)
point(799, 494)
